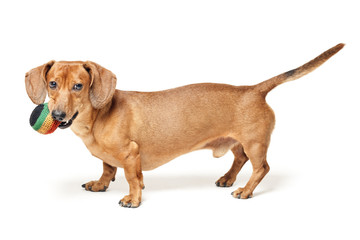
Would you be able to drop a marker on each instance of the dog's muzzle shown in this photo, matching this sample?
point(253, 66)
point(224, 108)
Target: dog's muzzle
point(64, 125)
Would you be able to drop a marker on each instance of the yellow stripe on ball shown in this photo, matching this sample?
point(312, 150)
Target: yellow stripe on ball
point(47, 124)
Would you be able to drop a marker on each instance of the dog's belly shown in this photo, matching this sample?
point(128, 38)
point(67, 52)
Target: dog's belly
point(220, 146)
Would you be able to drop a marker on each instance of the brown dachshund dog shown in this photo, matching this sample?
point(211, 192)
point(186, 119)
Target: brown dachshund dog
point(144, 130)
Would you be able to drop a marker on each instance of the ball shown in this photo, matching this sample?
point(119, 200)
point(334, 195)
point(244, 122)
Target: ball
point(42, 121)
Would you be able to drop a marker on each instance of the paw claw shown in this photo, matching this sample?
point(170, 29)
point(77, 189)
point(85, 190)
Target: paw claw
point(127, 205)
point(103, 190)
point(223, 185)
point(95, 186)
point(225, 182)
point(237, 194)
point(124, 203)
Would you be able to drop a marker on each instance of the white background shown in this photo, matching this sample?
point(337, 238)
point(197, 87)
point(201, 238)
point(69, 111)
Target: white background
point(312, 189)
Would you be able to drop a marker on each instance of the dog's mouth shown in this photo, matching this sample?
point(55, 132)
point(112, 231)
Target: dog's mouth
point(66, 124)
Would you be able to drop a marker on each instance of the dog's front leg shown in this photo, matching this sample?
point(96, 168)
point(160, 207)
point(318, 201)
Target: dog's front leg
point(133, 174)
point(103, 183)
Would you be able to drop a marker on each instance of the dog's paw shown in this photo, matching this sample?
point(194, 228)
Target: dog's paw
point(95, 186)
point(129, 202)
point(225, 181)
point(241, 193)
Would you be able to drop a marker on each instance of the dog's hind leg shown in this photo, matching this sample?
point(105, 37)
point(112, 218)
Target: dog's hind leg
point(257, 154)
point(240, 159)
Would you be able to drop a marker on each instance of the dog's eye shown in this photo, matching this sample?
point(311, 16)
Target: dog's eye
point(78, 87)
point(52, 84)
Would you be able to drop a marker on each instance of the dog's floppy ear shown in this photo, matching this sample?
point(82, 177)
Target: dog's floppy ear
point(35, 82)
point(102, 85)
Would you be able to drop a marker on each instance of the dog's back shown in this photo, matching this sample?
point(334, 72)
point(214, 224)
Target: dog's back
point(216, 116)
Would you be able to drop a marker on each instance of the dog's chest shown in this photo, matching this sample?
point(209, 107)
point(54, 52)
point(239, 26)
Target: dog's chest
point(99, 148)
point(105, 153)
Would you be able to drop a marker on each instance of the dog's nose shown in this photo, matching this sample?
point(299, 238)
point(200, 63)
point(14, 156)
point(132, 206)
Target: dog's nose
point(58, 115)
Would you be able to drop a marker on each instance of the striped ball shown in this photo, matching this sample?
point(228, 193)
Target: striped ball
point(41, 120)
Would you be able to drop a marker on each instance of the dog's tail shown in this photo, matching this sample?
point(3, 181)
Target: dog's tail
point(268, 85)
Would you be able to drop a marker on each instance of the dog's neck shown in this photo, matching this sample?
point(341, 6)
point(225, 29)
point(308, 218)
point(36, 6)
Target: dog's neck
point(84, 123)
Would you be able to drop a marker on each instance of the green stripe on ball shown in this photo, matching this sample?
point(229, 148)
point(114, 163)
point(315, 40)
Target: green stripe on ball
point(41, 118)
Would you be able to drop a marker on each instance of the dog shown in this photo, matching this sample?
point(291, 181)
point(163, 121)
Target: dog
point(143, 130)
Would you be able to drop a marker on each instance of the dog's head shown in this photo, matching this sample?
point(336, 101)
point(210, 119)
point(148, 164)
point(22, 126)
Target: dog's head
point(71, 87)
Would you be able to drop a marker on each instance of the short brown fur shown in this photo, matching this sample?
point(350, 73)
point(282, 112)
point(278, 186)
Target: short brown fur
point(144, 130)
